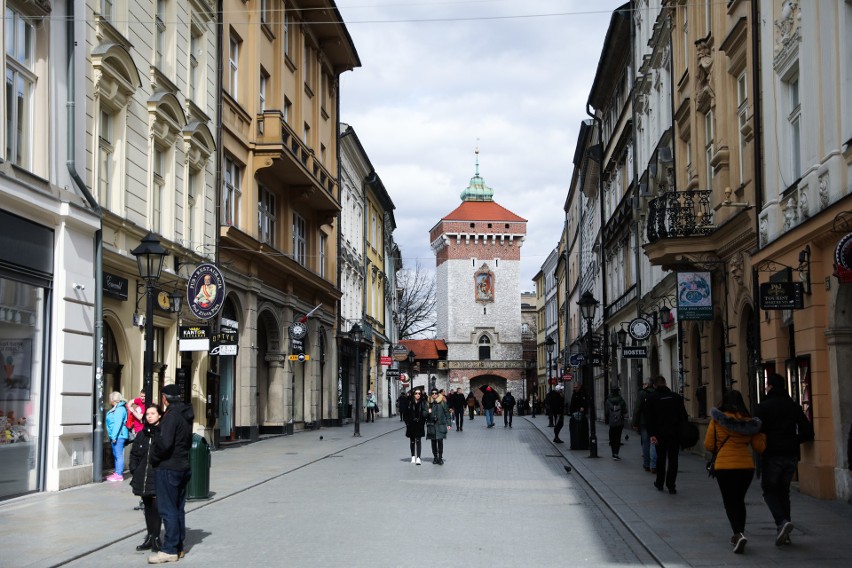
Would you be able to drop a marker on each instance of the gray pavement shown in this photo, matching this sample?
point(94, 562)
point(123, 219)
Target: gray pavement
point(502, 499)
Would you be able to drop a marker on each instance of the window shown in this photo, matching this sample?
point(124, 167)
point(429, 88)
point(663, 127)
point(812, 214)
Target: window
point(264, 7)
point(685, 31)
point(160, 34)
point(708, 146)
point(286, 33)
point(196, 54)
point(306, 135)
point(264, 78)
point(158, 183)
point(193, 197)
point(794, 118)
point(106, 10)
point(233, 63)
point(299, 238)
point(484, 348)
point(374, 232)
point(105, 159)
point(20, 84)
point(287, 108)
point(266, 216)
point(231, 193)
point(742, 119)
point(322, 251)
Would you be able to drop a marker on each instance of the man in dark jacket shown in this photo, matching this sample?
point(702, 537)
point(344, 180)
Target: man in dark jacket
point(557, 411)
point(402, 404)
point(640, 424)
point(508, 403)
point(578, 427)
point(666, 416)
point(170, 458)
point(489, 403)
point(785, 426)
point(458, 404)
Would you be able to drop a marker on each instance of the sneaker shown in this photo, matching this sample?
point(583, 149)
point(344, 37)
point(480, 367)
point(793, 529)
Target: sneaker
point(115, 477)
point(739, 546)
point(784, 533)
point(417, 462)
point(162, 557)
point(616, 458)
point(412, 459)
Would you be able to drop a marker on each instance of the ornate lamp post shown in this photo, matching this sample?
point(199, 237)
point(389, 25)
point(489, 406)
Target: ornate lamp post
point(356, 334)
point(549, 343)
point(411, 357)
point(149, 257)
point(588, 306)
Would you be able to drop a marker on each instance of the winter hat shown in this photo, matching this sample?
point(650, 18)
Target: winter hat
point(171, 390)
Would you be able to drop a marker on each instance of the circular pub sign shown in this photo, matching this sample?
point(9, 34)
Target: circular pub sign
point(205, 291)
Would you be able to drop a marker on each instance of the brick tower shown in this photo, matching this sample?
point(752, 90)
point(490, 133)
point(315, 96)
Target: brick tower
point(478, 266)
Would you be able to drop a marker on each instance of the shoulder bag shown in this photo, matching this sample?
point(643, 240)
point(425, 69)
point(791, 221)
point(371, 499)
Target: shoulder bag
point(711, 465)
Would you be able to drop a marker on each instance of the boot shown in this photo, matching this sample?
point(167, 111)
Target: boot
point(435, 459)
point(156, 545)
point(440, 459)
point(147, 544)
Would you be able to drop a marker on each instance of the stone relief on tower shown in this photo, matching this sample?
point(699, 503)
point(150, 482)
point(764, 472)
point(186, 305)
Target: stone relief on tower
point(484, 284)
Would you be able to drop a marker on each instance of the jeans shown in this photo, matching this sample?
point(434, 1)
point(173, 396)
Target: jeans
point(459, 418)
point(777, 475)
point(489, 417)
point(507, 416)
point(649, 451)
point(118, 455)
point(371, 414)
point(734, 483)
point(415, 445)
point(667, 461)
point(171, 503)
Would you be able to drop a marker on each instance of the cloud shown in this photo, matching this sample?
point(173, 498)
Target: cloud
point(429, 93)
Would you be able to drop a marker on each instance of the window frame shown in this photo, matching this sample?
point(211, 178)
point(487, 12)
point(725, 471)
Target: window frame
point(266, 215)
point(234, 48)
point(300, 239)
point(106, 156)
point(231, 192)
point(158, 187)
point(20, 72)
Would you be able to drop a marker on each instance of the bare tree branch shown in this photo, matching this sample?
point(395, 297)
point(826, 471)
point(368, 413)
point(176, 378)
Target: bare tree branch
point(416, 306)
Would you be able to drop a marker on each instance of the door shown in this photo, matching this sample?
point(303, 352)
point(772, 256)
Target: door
point(226, 396)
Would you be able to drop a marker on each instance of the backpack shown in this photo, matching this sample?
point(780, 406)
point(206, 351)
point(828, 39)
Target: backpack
point(616, 417)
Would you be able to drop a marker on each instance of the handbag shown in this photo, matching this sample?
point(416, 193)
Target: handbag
point(430, 430)
point(711, 465)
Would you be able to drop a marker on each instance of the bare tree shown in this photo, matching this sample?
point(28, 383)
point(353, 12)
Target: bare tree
point(416, 305)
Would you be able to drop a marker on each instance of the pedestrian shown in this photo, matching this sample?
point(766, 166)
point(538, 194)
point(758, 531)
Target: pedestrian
point(640, 424)
point(472, 404)
point(457, 405)
point(615, 412)
point(170, 458)
point(785, 426)
point(116, 426)
point(489, 405)
point(578, 426)
point(143, 483)
point(548, 398)
point(731, 435)
point(557, 411)
point(136, 410)
point(438, 425)
point(415, 421)
point(533, 404)
point(508, 403)
point(666, 416)
point(371, 405)
point(402, 404)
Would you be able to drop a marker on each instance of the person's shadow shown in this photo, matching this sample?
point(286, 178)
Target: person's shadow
point(193, 537)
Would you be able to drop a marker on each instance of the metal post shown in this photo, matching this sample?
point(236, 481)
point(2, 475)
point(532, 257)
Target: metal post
point(593, 436)
point(148, 363)
point(357, 433)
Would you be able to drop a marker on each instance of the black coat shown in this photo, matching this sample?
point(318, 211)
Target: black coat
point(784, 424)
point(666, 414)
point(578, 401)
point(171, 447)
point(415, 419)
point(489, 400)
point(457, 402)
point(402, 403)
point(508, 402)
point(140, 462)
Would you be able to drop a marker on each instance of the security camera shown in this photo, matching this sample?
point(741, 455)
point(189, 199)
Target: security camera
point(139, 321)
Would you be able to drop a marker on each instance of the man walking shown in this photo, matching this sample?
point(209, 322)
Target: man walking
point(508, 403)
point(472, 404)
point(666, 416)
point(170, 458)
point(615, 411)
point(489, 404)
point(458, 403)
point(640, 424)
point(578, 425)
point(785, 426)
point(402, 404)
point(557, 411)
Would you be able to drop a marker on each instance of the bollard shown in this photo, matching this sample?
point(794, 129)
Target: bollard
point(199, 464)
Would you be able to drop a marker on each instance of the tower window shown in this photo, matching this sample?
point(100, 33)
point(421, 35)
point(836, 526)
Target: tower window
point(489, 225)
point(484, 348)
point(507, 225)
point(472, 225)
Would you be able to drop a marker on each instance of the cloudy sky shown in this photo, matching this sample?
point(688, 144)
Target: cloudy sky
point(440, 78)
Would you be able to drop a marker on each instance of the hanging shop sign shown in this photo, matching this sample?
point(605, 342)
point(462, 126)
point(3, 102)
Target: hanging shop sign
point(694, 296)
point(194, 338)
point(781, 296)
point(205, 291)
point(224, 342)
point(640, 352)
point(392, 374)
point(400, 352)
point(385, 360)
point(639, 329)
point(843, 259)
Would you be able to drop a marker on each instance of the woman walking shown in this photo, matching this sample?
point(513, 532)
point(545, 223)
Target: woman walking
point(118, 433)
point(415, 422)
point(731, 431)
point(143, 483)
point(371, 405)
point(439, 423)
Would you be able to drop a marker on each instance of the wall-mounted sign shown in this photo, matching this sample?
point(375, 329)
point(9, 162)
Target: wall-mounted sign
point(781, 296)
point(385, 360)
point(224, 342)
point(400, 352)
point(639, 329)
point(115, 286)
point(640, 352)
point(392, 374)
point(193, 338)
point(298, 330)
point(694, 296)
point(205, 291)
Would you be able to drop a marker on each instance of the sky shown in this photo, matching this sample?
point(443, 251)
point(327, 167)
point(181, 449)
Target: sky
point(441, 78)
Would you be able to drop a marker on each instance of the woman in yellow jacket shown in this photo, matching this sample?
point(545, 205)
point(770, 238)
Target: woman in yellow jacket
point(730, 433)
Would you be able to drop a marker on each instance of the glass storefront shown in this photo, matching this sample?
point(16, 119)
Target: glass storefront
point(22, 338)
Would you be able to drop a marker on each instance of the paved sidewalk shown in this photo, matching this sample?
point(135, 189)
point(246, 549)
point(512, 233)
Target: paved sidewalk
point(690, 528)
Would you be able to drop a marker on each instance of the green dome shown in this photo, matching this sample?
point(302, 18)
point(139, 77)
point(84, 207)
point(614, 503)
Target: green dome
point(476, 189)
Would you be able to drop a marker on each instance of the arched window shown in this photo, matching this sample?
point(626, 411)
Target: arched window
point(484, 348)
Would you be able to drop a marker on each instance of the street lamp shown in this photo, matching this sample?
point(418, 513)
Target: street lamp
point(549, 344)
point(411, 357)
point(149, 257)
point(356, 334)
point(588, 307)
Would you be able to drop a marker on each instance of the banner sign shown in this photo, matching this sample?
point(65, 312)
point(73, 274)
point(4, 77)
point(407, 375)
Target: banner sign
point(205, 291)
point(193, 338)
point(694, 296)
point(781, 296)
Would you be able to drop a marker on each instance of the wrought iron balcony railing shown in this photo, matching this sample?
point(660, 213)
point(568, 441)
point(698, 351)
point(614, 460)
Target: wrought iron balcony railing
point(680, 214)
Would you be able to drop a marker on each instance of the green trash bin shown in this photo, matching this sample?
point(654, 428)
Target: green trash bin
point(199, 464)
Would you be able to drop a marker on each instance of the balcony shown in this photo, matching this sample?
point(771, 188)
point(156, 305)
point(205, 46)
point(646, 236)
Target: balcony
point(678, 214)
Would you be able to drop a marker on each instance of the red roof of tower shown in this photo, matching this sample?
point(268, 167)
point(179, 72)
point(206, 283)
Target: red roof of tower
point(482, 211)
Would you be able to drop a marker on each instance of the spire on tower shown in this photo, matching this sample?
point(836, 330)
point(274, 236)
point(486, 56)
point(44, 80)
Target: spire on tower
point(476, 189)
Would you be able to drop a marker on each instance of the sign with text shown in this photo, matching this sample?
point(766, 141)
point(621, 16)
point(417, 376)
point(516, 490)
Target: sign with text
point(115, 286)
point(781, 296)
point(224, 342)
point(694, 296)
point(400, 352)
point(205, 291)
point(385, 360)
point(639, 352)
point(392, 374)
point(194, 338)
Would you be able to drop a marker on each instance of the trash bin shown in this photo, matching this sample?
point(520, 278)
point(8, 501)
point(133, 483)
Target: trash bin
point(199, 464)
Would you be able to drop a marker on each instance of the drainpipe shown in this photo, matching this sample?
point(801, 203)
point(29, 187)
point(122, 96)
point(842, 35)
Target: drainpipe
point(757, 120)
point(637, 256)
point(74, 52)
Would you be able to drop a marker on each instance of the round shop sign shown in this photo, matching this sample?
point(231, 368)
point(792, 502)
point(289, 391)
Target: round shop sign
point(205, 291)
point(843, 252)
point(640, 329)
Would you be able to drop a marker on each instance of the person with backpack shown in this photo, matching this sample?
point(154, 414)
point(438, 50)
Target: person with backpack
point(508, 403)
point(615, 411)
